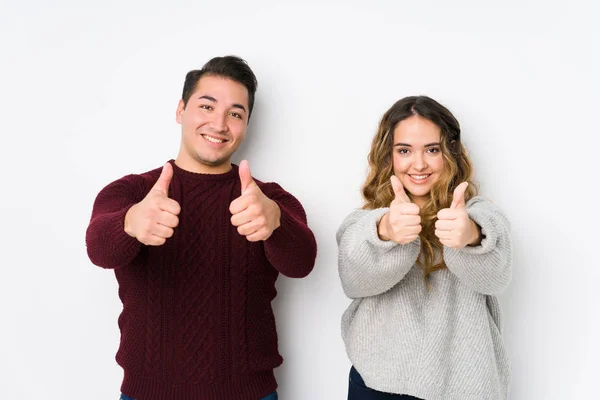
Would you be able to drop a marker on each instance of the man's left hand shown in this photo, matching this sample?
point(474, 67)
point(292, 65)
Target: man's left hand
point(255, 215)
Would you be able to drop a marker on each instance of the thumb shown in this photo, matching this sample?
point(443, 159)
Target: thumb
point(162, 184)
point(458, 198)
point(245, 176)
point(399, 190)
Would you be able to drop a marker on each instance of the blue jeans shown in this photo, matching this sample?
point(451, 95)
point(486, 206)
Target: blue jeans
point(272, 396)
point(357, 390)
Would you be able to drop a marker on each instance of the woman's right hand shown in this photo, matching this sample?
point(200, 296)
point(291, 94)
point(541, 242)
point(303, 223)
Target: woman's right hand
point(402, 223)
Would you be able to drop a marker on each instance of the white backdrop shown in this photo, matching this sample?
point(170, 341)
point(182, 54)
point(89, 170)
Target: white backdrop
point(88, 92)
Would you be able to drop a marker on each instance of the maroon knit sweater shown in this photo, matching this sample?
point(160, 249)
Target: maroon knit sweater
point(197, 322)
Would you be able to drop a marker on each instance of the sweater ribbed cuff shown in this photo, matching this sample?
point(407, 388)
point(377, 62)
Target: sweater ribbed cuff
point(291, 248)
point(108, 245)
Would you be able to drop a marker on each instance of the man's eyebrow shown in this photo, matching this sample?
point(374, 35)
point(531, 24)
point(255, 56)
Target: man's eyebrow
point(236, 105)
point(210, 98)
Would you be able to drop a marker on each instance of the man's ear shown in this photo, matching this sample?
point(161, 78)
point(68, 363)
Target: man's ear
point(179, 112)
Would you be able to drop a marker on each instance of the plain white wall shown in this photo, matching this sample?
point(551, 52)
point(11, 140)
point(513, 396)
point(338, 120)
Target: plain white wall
point(88, 92)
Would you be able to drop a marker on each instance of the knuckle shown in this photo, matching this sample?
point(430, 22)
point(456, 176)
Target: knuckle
point(404, 208)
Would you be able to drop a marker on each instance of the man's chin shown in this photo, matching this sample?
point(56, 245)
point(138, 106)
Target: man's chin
point(212, 162)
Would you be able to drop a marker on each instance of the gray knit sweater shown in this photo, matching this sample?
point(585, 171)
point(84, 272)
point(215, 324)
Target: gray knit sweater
point(439, 344)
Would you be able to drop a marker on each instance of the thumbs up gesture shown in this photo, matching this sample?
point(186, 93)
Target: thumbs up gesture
point(454, 228)
point(254, 214)
point(402, 223)
point(151, 221)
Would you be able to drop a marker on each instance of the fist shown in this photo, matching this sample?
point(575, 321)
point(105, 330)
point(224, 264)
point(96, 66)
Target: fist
point(454, 228)
point(152, 220)
point(254, 214)
point(402, 224)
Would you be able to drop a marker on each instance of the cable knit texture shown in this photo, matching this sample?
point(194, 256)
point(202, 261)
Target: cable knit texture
point(197, 321)
point(439, 344)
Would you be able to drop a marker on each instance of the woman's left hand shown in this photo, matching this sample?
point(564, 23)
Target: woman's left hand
point(454, 228)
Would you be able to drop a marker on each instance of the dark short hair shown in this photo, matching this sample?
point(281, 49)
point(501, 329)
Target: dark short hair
point(231, 67)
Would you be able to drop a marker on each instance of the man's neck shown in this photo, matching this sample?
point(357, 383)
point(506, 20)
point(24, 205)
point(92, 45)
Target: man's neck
point(200, 168)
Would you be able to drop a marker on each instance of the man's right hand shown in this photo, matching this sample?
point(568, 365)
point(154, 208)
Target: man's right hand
point(151, 221)
point(402, 223)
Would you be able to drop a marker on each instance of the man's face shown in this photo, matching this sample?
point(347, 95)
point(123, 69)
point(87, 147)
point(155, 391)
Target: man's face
point(213, 125)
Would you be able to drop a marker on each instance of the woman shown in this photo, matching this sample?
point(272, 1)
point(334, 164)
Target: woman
point(423, 261)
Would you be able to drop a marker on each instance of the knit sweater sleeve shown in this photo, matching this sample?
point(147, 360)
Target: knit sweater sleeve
point(486, 268)
point(367, 265)
point(108, 245)
point(292, 248)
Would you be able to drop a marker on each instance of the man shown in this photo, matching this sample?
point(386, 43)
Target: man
point(196, 248)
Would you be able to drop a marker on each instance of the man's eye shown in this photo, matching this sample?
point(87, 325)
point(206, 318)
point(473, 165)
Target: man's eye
point(236, 115)
point(205, 107)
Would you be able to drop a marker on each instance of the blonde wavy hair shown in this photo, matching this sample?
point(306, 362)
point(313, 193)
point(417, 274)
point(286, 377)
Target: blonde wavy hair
point(378, 192)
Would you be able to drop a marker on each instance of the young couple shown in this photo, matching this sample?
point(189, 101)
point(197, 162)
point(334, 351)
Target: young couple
point(197, 244)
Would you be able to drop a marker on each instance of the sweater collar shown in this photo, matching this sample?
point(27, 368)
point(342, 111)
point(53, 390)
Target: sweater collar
point(199, 177)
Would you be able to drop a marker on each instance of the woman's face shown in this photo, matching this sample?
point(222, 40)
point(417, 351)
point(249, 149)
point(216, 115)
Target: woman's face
point(417, 156)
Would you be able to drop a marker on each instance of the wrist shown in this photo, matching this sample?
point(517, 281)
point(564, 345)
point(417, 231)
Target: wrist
point(127, 222)
point(476, 235)
point(381, 228)
point(277, 214)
